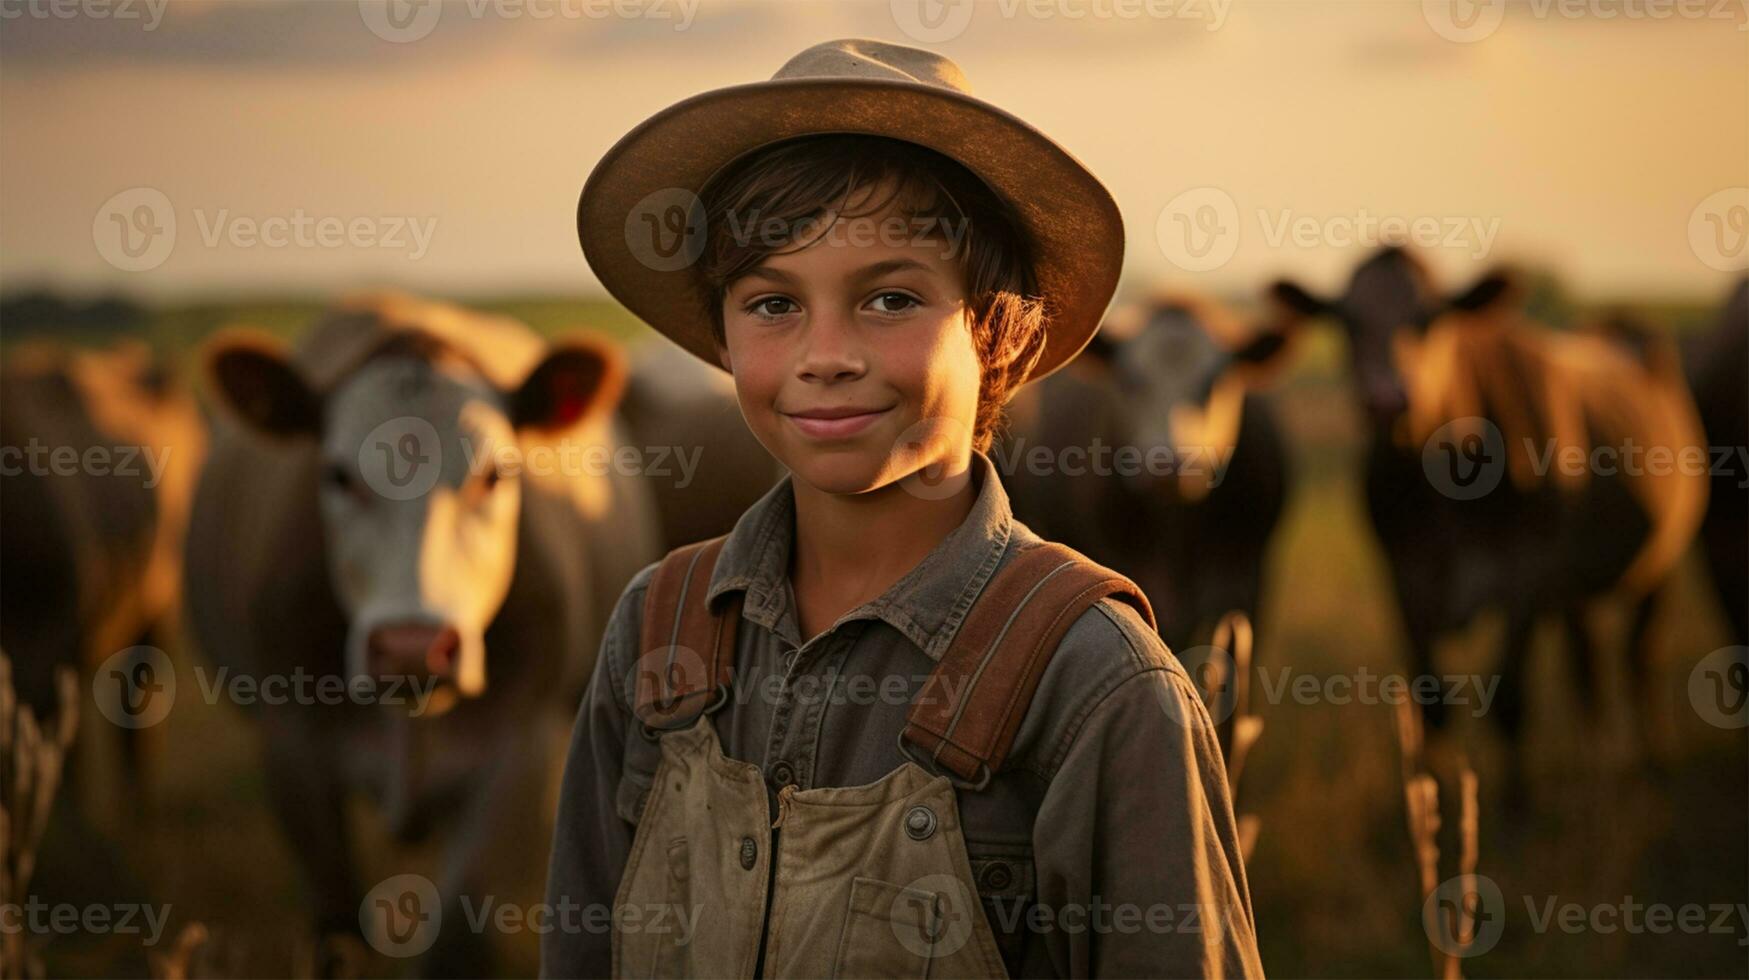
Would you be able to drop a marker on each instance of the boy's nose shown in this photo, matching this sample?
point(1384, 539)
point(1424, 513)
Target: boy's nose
point(831, 351)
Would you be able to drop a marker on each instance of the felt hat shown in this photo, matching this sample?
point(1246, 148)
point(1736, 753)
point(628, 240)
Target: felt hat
point(642, 227)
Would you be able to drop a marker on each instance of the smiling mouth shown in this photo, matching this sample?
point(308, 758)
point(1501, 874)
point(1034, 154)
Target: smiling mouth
point(834, 425)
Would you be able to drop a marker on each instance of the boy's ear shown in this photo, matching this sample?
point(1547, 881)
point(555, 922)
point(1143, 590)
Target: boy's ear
point(251, 375)
point(723, 358)
point(581, 377)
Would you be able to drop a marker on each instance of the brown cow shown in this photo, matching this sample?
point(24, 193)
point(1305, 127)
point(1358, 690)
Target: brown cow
point(98, 451)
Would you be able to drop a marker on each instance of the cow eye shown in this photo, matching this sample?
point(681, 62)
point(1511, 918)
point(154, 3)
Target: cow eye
point(489, 479)
point(338, 477)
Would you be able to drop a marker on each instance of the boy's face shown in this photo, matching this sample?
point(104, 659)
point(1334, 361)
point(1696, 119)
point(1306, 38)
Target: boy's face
point(853, 358)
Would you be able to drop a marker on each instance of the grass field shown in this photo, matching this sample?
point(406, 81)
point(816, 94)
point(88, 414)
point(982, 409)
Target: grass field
point(1333, 884)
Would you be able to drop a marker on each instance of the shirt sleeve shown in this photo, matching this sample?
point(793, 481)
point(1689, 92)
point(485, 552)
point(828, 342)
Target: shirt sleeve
point(1136, 846)
point(591, 841)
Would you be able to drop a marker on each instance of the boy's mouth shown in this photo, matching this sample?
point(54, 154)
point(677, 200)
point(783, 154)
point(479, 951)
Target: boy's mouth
point(834, 423)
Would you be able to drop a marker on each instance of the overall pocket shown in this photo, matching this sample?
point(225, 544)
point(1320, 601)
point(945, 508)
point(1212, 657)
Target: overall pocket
point(889, 931)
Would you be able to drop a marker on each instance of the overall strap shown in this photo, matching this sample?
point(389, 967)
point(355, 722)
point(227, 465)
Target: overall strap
point(970, 708)
point(687, 647)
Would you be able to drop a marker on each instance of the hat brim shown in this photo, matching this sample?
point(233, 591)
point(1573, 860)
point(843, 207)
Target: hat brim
point(1076, 229)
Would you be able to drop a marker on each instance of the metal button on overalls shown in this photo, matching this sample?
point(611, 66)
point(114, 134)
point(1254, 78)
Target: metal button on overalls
point(870, 880)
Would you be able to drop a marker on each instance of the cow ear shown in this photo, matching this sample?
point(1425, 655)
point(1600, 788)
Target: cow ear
point(1296, 300)
point(1262, 347)
point(1484, 293)
point(580, 378)
point(1101, 348)
point(251, 375)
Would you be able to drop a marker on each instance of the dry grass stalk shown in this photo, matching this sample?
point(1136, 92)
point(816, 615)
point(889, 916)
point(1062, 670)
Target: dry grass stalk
point(34, 760)
point(1421, 804)
point(1230, 676)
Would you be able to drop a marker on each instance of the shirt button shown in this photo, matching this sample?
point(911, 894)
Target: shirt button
point(782, 774)
point(749, 853)
point(997, 876)
point(920, 822)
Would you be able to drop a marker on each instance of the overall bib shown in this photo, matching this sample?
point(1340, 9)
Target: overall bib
point(869, 881)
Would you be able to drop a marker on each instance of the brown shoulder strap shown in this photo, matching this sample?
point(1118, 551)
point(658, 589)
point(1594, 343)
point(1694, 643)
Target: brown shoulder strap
point(969, 710)
point(688, 648)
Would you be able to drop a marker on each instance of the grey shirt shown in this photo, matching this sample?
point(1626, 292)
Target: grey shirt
point(1106, 844)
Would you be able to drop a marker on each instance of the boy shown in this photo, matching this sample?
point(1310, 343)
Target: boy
point(880, 728)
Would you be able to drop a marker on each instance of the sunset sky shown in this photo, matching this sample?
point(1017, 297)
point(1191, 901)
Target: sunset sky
point(1606, 147)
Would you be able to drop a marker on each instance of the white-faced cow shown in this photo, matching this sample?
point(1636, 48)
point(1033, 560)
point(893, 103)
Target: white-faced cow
point(1501, 471)
point(422, 504)
point(1152, 454)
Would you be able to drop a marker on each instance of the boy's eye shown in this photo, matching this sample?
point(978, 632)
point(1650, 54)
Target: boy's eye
point(771, 306)
point(895, 302)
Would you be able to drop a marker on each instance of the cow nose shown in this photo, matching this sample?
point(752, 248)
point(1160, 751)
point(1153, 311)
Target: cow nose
point(414, 649)
point(1386, 400)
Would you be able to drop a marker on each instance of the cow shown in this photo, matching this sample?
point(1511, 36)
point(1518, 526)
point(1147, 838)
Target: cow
point(683, 411)
point(1718, 372)
point(422, 503)
point(98, 453)
point(1194, 474)
point(1474, 417)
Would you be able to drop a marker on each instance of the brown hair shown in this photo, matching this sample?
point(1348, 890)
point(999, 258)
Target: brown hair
point(791, 185)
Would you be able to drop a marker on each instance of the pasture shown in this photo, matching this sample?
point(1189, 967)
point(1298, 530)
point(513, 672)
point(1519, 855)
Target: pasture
point(1332, 879)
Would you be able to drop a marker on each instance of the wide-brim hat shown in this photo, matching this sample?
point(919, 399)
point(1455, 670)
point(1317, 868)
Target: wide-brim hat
point(642, 227)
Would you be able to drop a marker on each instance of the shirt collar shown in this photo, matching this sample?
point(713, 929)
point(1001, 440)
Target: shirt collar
point(927, 604)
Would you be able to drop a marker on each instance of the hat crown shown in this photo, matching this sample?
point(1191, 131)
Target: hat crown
point(862, 58)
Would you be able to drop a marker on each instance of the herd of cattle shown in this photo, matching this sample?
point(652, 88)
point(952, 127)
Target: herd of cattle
point(420, 492)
